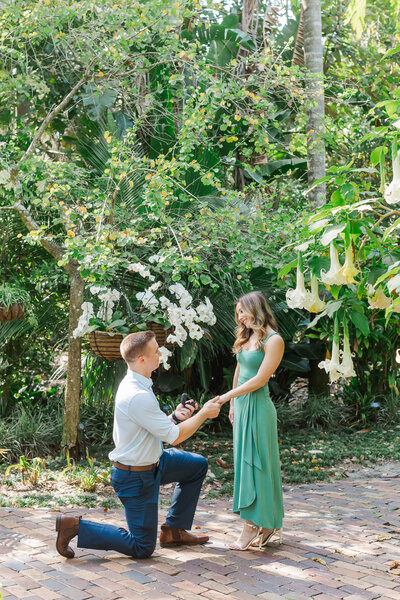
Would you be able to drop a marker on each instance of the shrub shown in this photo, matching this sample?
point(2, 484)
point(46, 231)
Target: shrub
point(288, 415)
point(324, 412)
point(30, 431)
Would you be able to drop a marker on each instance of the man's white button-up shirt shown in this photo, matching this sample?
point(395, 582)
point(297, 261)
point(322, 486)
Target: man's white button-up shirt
point(140, 426)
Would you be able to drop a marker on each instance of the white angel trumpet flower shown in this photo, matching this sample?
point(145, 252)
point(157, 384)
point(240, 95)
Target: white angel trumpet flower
point(349, 270)
point(335, 275)
point(392, 191)
point(394, 284)
point(298, 297)
point(332, 365)
point(379, 299)
point(346, 366)
point(315, 305)
point(398, 355)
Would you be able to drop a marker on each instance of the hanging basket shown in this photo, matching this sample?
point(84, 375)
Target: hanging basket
point(161, 334)
point(14, 312)
point(106, 346)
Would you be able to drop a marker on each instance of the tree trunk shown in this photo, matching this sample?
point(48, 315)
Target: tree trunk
point(70, 440)
point(315, 93)
point(318, 381)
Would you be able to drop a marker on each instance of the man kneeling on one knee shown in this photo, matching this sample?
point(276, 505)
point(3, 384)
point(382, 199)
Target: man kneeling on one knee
point(141, 465)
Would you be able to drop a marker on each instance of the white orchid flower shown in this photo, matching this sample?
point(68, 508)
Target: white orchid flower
point(334, 276)
point(298, 297)
point(315, 305)
point(349, 270)
point(379, 299)
point(392, 191)
point(83, 323)
point(165, 355)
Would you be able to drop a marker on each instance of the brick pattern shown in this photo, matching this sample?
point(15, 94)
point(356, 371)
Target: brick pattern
point(339, 542)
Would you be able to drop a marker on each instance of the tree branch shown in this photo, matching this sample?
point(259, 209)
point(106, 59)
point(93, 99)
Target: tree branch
point(50, 116)
point(55, 249)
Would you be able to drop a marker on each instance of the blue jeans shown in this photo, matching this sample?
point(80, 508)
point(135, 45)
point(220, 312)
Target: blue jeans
point(138, 492)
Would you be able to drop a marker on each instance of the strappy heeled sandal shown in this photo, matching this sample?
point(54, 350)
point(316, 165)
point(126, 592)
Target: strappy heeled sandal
point(257, 534)
point(262, 542)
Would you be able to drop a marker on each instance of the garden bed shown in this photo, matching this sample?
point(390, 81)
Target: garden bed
point(306, 457)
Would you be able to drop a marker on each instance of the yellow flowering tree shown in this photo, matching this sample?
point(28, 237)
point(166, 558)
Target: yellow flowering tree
point(123, 130)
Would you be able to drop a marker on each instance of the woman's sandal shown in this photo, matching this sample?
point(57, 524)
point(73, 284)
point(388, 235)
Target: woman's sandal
point(262, 542)
point(257, 534)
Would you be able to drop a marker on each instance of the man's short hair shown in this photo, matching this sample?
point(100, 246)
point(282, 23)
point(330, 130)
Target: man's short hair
point(134, 345)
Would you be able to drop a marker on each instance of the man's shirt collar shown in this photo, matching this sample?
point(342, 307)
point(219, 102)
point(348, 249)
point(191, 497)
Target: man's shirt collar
point(141, 379)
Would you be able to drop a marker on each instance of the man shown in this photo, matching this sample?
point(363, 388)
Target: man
point(140, 465)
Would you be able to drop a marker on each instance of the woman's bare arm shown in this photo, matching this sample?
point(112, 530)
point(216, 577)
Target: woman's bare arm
point(273, 349)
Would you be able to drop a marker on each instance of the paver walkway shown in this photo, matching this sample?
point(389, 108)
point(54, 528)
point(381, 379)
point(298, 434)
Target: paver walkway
point(341, 538)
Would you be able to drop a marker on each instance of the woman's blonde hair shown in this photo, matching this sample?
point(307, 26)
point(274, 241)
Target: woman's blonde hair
point(255, 305)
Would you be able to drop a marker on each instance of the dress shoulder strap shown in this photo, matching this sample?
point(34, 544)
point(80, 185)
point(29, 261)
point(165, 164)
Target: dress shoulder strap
point(268, 336)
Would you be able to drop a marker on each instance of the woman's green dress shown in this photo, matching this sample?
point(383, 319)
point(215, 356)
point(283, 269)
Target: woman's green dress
point(257, 494)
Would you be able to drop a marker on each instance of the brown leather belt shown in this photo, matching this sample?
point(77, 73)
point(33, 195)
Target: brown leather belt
point(119, 465)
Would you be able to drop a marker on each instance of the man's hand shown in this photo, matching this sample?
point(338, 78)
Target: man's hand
point(211, 408)
point(185, 412)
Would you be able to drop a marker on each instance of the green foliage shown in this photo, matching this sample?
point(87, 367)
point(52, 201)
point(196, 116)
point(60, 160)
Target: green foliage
point(187, 139)
point(118, 179)
point(362, 294)
point(30, 432)
point(31, 471)
point(86, 477)
point(316, 412)
point(323, 412)
point(11, 294)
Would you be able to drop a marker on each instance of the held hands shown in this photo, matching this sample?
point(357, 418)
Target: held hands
point(211, 408)
point(225, 398)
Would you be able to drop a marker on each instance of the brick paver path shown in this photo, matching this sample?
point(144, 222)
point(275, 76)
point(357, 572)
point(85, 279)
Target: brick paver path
point(340, 540)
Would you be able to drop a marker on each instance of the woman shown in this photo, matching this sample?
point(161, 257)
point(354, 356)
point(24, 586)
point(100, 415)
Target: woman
point(258, 487)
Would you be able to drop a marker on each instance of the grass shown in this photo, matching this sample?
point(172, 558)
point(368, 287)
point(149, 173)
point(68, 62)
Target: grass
point(307, 456)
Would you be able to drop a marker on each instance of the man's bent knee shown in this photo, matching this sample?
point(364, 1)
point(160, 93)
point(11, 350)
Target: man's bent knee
point(201, 465)
point(144, 551)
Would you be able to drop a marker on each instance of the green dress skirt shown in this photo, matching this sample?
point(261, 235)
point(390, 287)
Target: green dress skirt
point(257, 494)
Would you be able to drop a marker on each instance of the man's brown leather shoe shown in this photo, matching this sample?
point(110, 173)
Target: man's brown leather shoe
point(171, 536)
point(67, 528)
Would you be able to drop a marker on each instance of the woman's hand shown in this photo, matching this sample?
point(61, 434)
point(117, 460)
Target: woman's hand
point(231, 413)
point(224, 398)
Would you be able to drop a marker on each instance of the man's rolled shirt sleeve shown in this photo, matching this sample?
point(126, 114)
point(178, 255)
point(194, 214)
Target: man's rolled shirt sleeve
point(145, 411)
